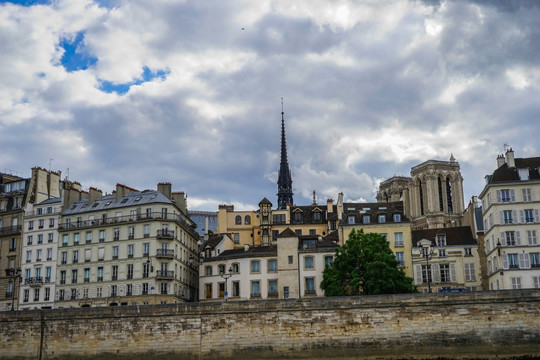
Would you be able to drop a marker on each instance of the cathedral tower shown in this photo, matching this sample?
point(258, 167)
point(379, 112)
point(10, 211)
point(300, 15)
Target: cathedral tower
point(285, 194)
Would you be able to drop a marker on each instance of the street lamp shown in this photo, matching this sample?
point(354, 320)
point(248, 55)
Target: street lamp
point(226, 277)
point(14, 275)
point(427, 252)
point(501, 273)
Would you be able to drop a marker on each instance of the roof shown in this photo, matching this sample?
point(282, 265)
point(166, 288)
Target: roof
point(286, 233)
point(54, 200)
point(213, 241)
point(374, 210)
point(265, 201)
point(307, 214)
point(455, 236)
point(108, 202)
point(505, 173)
point(257, 251)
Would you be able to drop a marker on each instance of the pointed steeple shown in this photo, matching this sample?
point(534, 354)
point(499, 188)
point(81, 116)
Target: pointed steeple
point(285, 194)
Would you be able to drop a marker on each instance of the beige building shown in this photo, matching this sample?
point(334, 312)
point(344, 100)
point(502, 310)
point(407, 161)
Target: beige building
point(130, 247)
point(446, 258)
point(292, 268)
point(511, 207)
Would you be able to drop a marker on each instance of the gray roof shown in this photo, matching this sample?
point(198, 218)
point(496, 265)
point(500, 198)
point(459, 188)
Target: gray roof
point(54, 200)
point(108, 202)
point(478, 218)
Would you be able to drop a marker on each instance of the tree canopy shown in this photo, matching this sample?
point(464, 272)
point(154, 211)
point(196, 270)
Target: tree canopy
point(365, 265)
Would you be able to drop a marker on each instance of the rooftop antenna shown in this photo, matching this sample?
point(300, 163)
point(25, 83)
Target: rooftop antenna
point(506, 146)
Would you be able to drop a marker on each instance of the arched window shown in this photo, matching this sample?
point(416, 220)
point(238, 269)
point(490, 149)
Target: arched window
point(449, 195)
point(238, 220)
point(439, 183)
point(421, 197)
point(247, 220)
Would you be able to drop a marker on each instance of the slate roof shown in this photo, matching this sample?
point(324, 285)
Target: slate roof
point(257, 251)
point(373, 210)
point(504, 173)
point(307, 214)
point(108, 202)
point(455, 236)
point(213, 241)
point(54, 200)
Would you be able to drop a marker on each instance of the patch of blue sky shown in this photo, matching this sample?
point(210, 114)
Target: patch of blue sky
point(26, 2)
point(147, 75)
point(76, 55)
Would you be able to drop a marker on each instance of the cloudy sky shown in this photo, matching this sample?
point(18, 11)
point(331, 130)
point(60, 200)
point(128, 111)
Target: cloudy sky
point(138, 92)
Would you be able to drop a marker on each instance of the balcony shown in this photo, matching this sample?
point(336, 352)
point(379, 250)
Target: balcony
point(9, 230)
point(165, 234)
point(9, 294)
point(164, 274)
point(34, 281)
point(165, 254)
point(272, 294)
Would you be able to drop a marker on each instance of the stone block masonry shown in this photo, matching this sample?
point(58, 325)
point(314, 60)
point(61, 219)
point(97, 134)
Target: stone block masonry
point(479, 325)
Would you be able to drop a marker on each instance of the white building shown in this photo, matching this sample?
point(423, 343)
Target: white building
point(290, 269)
point(511, 206)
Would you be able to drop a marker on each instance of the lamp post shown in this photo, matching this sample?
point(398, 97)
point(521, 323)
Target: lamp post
point(196, 265)
point(226, 277)
point(501, 273)
point(427, 252)
point(14, 276)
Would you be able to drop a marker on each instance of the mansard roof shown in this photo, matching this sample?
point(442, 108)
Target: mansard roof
point(108, 202)
point(455, 236)
point(373, 210)
point(505, 173)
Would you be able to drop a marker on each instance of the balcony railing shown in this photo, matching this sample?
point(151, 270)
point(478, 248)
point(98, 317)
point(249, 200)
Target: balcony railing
point(165, 274)
point(128, 218)
point(272, 294)
point(6, 230)
point(165, 253)
point(310, 292)
point(165, 234)
point(9, 294)
point(34, 281)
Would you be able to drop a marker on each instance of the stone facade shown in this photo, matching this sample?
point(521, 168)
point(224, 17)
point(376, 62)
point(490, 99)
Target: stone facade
point(488, 325)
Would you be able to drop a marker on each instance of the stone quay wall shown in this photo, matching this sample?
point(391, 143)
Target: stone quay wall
point(478, 325)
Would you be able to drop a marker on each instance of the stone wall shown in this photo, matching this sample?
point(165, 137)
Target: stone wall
point(500, 325)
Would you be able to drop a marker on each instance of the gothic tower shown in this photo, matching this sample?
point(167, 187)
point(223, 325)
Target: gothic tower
point(285, 194)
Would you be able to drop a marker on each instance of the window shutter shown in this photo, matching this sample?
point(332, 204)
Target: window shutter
point(512, 195)
point(536, 216)
point(522, 261)
point(472, 273)
point(503, 239)
point(518, 238)
point(505, 261)
point(527, 261)
point(501, 218)
point(436, 273)
point(524, 194)
point(453, 272)
point(499, 199)
point(467, 272)
point(521, 216)
point(417, 274)
point(514, 216)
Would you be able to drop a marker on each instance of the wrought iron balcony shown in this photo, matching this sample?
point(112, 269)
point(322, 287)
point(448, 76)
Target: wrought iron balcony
point(7, 230)
point(165, 274)
point(34, 281)
point(165, 253)
point(165, 234)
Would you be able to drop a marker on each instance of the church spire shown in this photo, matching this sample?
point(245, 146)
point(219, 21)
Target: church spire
point(285, 194)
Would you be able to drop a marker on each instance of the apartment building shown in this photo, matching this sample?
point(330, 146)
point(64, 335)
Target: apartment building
point(511, 207)
point(129, 247)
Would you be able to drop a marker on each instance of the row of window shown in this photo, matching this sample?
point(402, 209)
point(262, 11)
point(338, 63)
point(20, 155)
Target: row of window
point(146, 269)
point(39, 239)
point(255, 289)
point(443, 273)
point(526, 216)
point(134, 215)
point(516, 283)
point(41, 224)
point(271, 265)
point(366, 219)
point(112, 291)
point(39, 254)
point(116, 235)
point(508, 196)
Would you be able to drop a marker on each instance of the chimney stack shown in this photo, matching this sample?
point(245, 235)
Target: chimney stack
point(510, 158)
point(165, 189)
point(94, 195)
point(500, 161)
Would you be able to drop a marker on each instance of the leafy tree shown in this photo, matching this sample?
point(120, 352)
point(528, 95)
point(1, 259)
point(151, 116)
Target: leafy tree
point(365, 265)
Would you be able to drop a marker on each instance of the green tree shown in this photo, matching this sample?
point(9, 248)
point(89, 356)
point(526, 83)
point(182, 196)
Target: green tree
point(365, 265)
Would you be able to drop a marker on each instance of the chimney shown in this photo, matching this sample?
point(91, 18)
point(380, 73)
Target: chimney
point(180, 199)
point(329, 205)
point(500, 161)
point(122, 190)
point(510, 158)
point(340, 206)
point(165, 189)
point(94, 195)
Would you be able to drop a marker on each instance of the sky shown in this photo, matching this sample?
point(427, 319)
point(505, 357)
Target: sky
point(189, 92)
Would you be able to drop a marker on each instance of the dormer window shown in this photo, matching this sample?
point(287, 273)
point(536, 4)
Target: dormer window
point(316, 217)
point(441, 240)
point(397, 217)
point(523, 174)
point(351, 219)
point(367, 219)
point(382, 218)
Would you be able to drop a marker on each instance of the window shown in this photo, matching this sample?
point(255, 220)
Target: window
point(468, 251)
point(208, 291)
point(535, 260)
point(51, 223)
point(75, 256)
point(316, 217)
point(255, 289)
point(297, 217)
point(116, 234)
point(275, 234)
point(47, 296)
point(247, 220)
point(30, 240)
point(536, 282)
point(114, 272)
point(328, 260)
point(426, 274)
point(400, 256)
point(445, 272)
point(366, 219)
point(310, 286)
point(36, 294)
point(298, 232)
point(40, 238)
point(146, 270)
point(278, 218)
point(235, 268)
point(38, 254)
point(89, 237)
point(382, 218)
point(87, 275)
point(146, 249)
point(398, 239)
point(28, 256)
point(61, 294)
point(510, 238)
point(99, 292)
point(397, 217)
point(308, 262)
point(236, 288)
point(290, 259)
point(255, 266)
point(115, 252)
point(130, 251)
point(101, 236)
point(129, 290)
point(145, 288)
point(221, 269)
point(442, 253)
point(64, 257)
point(513, 261)
point(516, 282)
point(131, 232)
point(31, 225)
point(130, 271)
point(76, 239)
point(74, 276)
point(50, 238)
point(470, 275)
point(26, 295)
point(114, 290)
point(146, 231)
point(48, 271)
point(238, 220)
point(49, 254)
point(529, 217)
point(507, 215)
point(100, 273)
point(41, 223)
point(505, 195)
point(351, 219)
point(441, 240)
point(312, 232)
point(384, 235)
point(208, 270)
point(526, 194)
point(221, 287)
point(272, 265)
point(101, 252)
point(65, 240)
point(272, 288)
